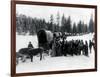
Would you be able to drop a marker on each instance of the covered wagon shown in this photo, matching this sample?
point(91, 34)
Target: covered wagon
point(45, 37)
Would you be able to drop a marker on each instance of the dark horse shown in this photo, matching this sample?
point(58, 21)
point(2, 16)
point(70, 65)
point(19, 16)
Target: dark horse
point(30, 52)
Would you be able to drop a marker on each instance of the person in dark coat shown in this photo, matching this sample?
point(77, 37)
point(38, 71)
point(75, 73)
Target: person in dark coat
point(90, 45)
point(66, 48)
point(86, 49)
point(71, 48)
point(30, 45)
point(76, 47)
point(63, 49)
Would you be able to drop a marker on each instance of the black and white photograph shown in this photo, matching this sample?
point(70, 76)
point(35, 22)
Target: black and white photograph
point(54, 38)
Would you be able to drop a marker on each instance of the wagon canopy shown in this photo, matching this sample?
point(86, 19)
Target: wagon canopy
point(44, 36)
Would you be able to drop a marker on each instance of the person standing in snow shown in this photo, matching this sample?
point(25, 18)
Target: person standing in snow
point(90, 45)
point(86, 48)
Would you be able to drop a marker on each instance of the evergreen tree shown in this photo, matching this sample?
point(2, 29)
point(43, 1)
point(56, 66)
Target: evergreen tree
point(63, 20)
point(51, 23)
point(91, 25)
point(85, 28)
point(68, 25)
point(74, 28)
point(79, 27)
point(58, 21)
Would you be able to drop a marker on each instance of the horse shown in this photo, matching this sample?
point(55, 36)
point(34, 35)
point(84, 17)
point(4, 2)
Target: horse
point(24, 51)
point(33, 52)
point(30, 52)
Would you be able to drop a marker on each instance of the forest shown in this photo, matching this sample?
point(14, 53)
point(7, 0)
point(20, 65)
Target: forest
point(26, 24)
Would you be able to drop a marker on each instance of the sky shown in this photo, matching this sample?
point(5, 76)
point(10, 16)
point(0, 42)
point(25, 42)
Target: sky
point(38, 11)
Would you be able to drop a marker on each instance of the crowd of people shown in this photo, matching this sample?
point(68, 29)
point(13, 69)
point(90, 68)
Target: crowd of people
point(61, 46)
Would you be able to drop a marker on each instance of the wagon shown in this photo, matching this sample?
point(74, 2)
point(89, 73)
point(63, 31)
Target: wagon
point(45, 37)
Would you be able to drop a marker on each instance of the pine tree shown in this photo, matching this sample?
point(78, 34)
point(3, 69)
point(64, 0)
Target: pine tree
point(74, 28)
point(51, 23)
point(58, 21)
point(91, 25)
point(63, 20)
point(68, 25)
point(79, 27)
point(85, 28)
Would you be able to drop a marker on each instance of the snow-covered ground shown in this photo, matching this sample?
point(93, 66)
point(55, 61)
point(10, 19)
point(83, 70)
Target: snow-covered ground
point(53, 63)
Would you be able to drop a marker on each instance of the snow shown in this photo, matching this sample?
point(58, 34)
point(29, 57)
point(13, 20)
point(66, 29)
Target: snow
point(22, 41)
point(85, 37)
point(53, 63)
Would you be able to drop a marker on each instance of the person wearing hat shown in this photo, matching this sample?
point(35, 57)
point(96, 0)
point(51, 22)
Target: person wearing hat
point(30, 45)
